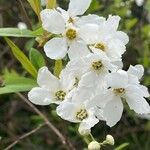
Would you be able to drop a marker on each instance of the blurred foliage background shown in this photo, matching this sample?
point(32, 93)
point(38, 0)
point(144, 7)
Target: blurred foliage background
point(17, 118)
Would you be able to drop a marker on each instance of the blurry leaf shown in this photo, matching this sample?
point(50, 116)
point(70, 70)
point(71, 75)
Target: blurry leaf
point(146, 31)
point(36, 119)
point(16, 32)
point(22, 58)
point(36, 58)
point(15, 83)
point(51, 4)
point(122, 146)
point(94, 6)
point(36, 6)
point(58, 67)
point(38, 31)
point(130, 23)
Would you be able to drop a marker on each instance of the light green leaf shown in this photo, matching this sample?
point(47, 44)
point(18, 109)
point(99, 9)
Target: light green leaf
point(15, 83)
point(36, 6)
point(22, 58)
point(58, 67)
point(51, 4)
point(36, 58)
point(122, 146)
point(16, 32)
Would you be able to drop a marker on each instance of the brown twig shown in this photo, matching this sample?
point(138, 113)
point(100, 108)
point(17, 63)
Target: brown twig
point(68, 145)
point(24, 136)
point(25, 15)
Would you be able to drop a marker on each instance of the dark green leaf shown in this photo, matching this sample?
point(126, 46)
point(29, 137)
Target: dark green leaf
point(36, 58)
point(22, 58)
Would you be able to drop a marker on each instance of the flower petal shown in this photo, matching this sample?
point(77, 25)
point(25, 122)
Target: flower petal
point(113, 111)
point(90, 19)
point(52, 21)
point(88, 33)
point(88, 124)
point(78, 7)
point(113, 22)
point(39, 96)
point(67, 111)
point(123, 37)
point(137, 103)
point(47, 80)
point(78, 49)
point(117, 79)
point(56, 48)
point(137, 70)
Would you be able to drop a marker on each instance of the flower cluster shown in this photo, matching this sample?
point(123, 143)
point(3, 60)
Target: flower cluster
point(92, 86)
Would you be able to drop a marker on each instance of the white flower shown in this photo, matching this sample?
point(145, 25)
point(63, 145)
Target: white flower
point(51, 89)
point(119, 88)
point(107, 39)
point(78, 112)
point(94, 145)
point(94, 68)
point(139, 2)
point(68, 38)
point(21, 25)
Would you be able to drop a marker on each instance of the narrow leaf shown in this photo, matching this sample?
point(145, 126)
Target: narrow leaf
point(16, 32)
point(122, 146)
point(22, 58)
point(36, 6)
point(36, 58)
point(51, 4)
point(15, 83)
point(58, 67)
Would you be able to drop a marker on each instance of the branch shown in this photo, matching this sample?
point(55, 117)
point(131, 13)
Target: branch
point(62, 139)
point(24, 136)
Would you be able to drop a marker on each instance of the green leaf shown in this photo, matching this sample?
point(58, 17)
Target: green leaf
point(15, 83)
point(130, 23)
point(122, 146)
point(36, 58)
point(51, 4)
point(36, 6)
point(16, 32)
point(22, 58)
point(58, 67)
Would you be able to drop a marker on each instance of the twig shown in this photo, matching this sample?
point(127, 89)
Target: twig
point(63, 140)
point(24, 136)
point(26, 18)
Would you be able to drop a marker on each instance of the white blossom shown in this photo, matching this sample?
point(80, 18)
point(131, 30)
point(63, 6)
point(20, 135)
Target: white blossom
point(78, 112)
point(68, 39)
point(119, 88)
point(51, 89)
point(106, 39)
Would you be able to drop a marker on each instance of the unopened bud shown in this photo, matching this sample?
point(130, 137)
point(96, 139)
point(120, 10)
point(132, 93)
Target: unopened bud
point(110, 140)
point(94, 145)
point(84, 132)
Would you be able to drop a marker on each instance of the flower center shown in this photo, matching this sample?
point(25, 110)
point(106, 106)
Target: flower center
point(70, 20)
point(71, 34)
point(60, 95)
point(82, 114)
point(119, 91)
point(100, 46)
point(97, 65)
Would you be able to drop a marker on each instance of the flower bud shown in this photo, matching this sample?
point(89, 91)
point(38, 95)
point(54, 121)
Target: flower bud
point(110, 140)
point(94, 145)
point(84, 132)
